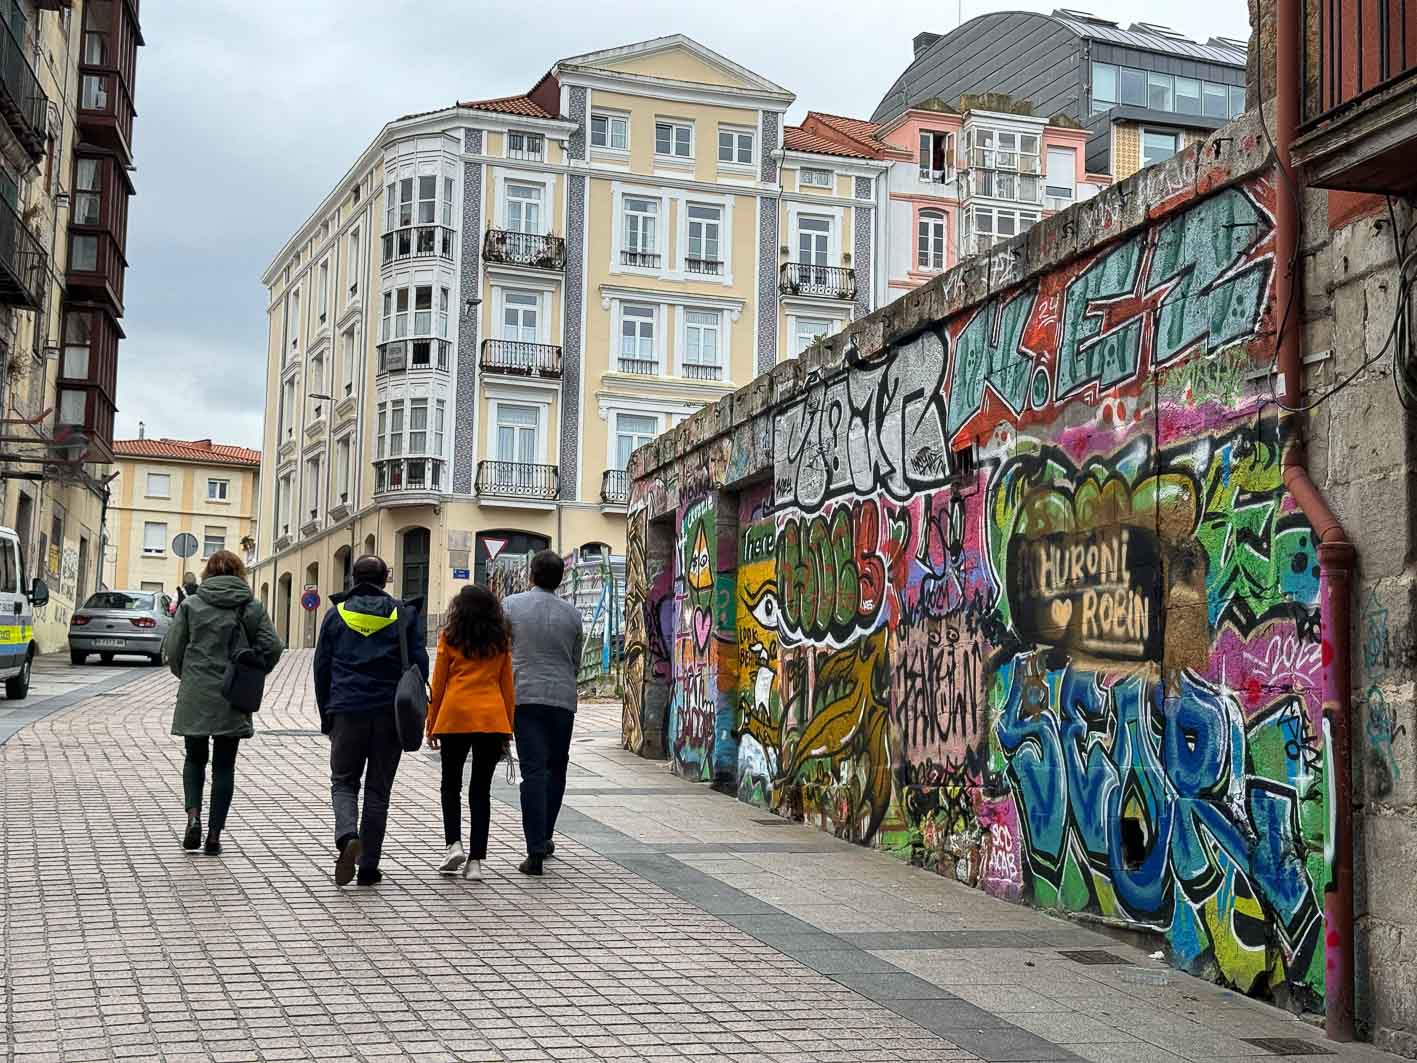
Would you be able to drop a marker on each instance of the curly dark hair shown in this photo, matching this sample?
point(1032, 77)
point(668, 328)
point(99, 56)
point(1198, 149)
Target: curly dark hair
point(475, 625)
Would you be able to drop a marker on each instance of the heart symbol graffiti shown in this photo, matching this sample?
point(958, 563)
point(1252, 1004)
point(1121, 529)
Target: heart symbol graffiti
point(1060, 612)
point(702, 622)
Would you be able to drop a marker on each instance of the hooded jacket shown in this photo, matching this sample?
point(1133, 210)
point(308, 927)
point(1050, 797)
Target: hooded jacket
point(197, 651)
point(357, 659)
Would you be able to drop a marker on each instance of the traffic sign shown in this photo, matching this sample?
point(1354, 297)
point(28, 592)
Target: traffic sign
point(310, 599)
point(185, 544)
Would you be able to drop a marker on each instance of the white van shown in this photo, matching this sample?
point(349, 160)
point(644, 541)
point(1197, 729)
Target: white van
point(17, 645)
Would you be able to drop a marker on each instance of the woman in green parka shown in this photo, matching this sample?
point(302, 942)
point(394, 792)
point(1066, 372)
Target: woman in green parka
point(197, 648)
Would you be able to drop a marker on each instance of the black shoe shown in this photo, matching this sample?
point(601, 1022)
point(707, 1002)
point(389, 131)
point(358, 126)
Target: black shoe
point(213, 846)
point(550, 849)
point(370, 876)
point(192, 840)
point(349, 851)
point(531, 865)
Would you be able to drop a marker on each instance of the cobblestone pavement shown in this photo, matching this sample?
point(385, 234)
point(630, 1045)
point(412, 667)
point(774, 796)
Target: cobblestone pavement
point(674, 923)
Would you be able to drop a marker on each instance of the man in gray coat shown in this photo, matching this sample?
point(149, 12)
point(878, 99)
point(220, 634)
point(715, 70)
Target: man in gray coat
point(546, 654)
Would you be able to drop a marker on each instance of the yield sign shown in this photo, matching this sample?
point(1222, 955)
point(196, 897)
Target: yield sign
point(494, 547)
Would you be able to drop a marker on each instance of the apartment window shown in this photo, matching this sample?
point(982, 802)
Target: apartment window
point(675, 139)
point(287, 407)
point(1157, 146)
point(610, 131)
point(806, 331)
point(520, 313)
point(324, 290)
point(1062, 174)
point(342, 468)
point(702, 355)
point(218, 490)
point(1215, 101)
point(77, 339)
point(930, 241)
point(312, 485)
point(284, 494)
point(418, 426)
point(526, 146)
point(83, 254)
point(347, 360)
point(632, 431)
point(447, 200)
point(427, 199)
point(423, 310)
point(353, 263)
point(154, 537)
point(705, 225)
point(641, 232)
point(516, 432)
point(398, 204)
point(73, 405)
point(294, 320)
point(1133, 85)
point(1237, 101)
point(1160, 91)
point(439, 411)
point(637, 340)
point(213, 539)
point(317, 375)
point(88, 192)
point(810, 177)
point(1104, 87)
point(936, 151)
point(992, 226)
point(524, 208)
point(813, 240)
point(381, 429)
point(735, 146)
point(396, 428)
point(159, 485)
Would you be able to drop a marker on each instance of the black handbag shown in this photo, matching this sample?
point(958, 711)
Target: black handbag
point(244, 683)
point(410, 698)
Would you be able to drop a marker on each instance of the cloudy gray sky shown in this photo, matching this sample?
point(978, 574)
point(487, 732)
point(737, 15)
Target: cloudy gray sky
point(249, 112)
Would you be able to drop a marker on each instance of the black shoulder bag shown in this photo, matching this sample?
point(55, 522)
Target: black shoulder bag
point(244, 683)
point(410, 698)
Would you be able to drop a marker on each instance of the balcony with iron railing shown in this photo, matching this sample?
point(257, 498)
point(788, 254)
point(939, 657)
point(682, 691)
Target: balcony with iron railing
point(712, 267)
point(637, 366)
point(830, 282)
point(524, 249)
point(1357, 77)
point(23, 262)
point(22, 101)
point(702, 371)
point(408, 475)
point(404, 355)
point(418, 241)
point(614, 487)
point(518, 358)
point(640, 259)
point(518, 481)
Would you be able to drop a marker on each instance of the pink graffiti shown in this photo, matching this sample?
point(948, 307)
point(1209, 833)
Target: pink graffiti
point(1001, 870)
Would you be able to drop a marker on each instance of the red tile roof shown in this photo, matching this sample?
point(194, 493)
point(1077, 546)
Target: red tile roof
point(855, 128)
point(198, 450)
point(795, 138)
point(518, 105)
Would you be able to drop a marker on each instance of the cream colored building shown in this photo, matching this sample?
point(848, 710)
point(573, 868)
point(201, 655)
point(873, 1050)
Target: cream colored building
point(166, 487)
point(66, 161)
point(502, 299)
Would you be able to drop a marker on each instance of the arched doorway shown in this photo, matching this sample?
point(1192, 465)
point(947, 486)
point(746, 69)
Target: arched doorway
point(283, 608)
point(370, 546)
point(414, 566)
point(312, 616)
point(344, 565)
point(494, 544)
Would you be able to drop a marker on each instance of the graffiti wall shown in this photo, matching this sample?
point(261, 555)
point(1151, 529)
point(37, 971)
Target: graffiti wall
point(1021, 598)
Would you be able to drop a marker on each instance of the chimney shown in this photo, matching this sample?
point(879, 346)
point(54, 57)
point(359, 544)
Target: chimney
point(924, 40)
point(142, 430)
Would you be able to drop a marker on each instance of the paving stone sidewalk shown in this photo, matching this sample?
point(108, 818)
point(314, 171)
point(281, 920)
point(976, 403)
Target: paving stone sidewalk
point(674, 923)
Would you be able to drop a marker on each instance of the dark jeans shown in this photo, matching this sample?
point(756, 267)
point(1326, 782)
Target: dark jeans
point(486, 750)
point(194, 776)
point(544, 749)
point(363, 746)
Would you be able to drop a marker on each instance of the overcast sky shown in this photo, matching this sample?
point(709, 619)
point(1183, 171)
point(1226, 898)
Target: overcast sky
point(248, 113)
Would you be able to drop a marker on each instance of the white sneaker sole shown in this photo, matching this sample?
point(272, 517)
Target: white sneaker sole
point(452, 865)
point(471, 873)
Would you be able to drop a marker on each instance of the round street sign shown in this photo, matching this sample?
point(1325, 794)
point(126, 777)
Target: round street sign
point(185, 544)
point(310, 599)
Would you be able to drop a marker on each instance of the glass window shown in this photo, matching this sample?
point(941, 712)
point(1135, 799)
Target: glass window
point(525, 145)
point(342, 468)
point(516, 432)
point(701, 346)
point(213, 539)
point(379, 432)
point(418, 426)
point(73, 405)
point(1133, 85)
point(1156, 147)
point(519, 316)
point(1215, 101)
point(159, 485)
point(735, 146)
point(1188, 96)
point(1160, 91)
point(609, 131)
point(218, 490)
point(807, 329)
point(1237, 101)
point(673, 139)
point(317, 374)
point(637, 339)
point(83, 254)
point(815, 178)
point(312, 485)
point(704, 226)
point(1062, 173)
point(813, 240)
point(632, 431)
point(88, 189)
point(641, 216)
point(439, 408)
point(423, 310)
point(78, 325)
point(930, 242)
point(1104, 86)
point(154, 537)
point(524, 208)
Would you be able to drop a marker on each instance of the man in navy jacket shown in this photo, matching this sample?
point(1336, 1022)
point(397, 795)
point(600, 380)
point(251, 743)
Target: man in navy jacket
point(357, 668)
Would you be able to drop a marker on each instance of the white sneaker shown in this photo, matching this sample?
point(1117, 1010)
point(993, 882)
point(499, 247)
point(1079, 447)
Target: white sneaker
point(453, 860)
point(472, 869)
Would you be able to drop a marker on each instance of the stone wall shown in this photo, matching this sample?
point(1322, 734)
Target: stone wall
point(1004, 580)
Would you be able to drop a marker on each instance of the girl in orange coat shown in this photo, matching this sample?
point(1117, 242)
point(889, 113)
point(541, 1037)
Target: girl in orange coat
point(471, 711)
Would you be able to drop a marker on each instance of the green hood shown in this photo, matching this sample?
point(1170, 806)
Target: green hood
point(225, 592)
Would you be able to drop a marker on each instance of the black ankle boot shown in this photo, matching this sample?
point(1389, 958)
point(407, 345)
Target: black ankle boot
point(192, 840)
point(531, 865)
point(213, 846)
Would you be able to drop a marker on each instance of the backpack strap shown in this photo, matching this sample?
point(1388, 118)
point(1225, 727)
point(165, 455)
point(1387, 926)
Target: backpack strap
point(240, 625)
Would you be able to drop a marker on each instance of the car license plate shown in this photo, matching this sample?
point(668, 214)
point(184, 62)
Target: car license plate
point(115, 644)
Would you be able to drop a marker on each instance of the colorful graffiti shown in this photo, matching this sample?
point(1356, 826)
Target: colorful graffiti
point(1023, 599)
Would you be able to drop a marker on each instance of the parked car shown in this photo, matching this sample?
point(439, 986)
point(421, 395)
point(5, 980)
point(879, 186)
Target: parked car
point(113, 622)
point(17, 605)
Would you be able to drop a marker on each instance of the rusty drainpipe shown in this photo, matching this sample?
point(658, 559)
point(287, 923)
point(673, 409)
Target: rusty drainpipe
point(1337, 555)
